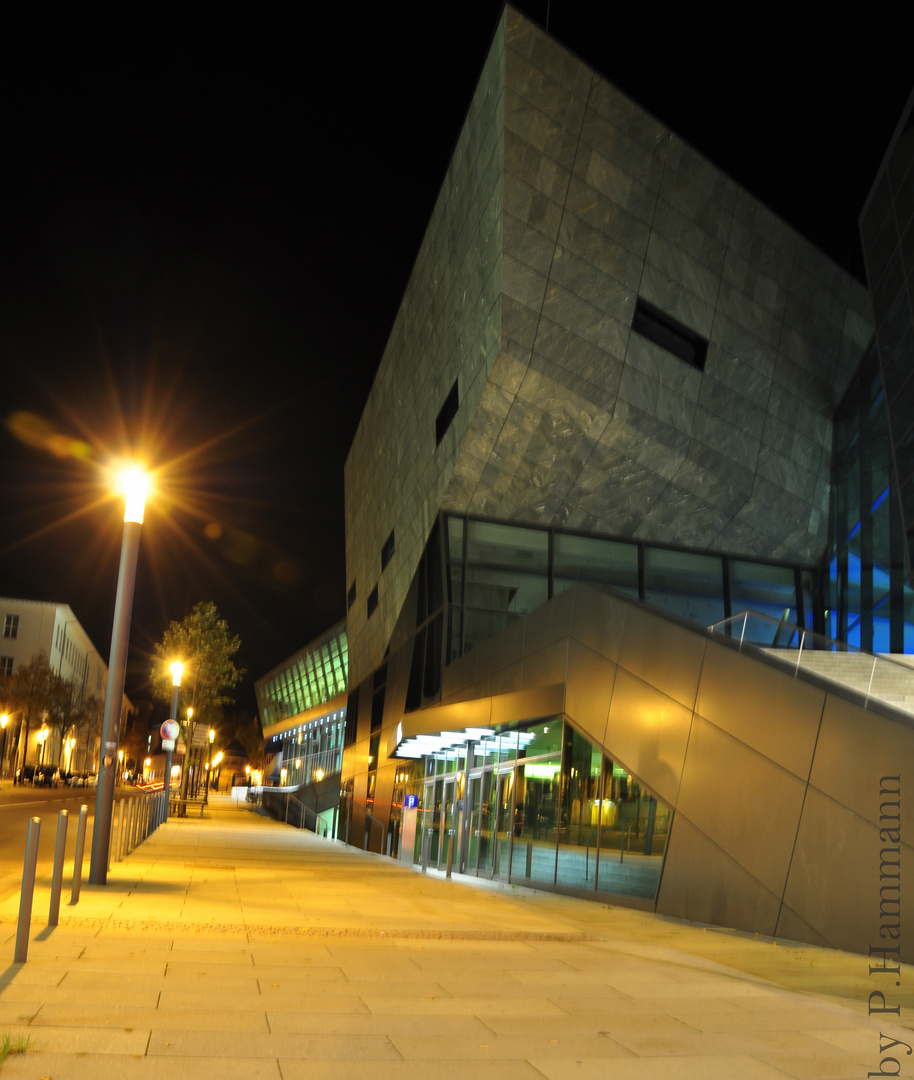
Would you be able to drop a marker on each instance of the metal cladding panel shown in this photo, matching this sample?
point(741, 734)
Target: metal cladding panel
point(761, 705)
point(506, 649)
point(744, 803)
point(589, 690)
point(549, 664)
point(850, 763)
point(836, 878)
point(663, 653)
point(702, 883)
point(599, 620)
point(553, 625)
point(648, 732)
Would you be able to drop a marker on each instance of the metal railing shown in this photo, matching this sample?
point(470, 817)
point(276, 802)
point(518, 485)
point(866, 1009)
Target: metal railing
point(878, 677)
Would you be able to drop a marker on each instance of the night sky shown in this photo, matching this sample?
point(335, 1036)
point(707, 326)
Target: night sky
point(207, 227)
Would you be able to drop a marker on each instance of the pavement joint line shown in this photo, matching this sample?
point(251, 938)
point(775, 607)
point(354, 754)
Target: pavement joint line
point(258, 931)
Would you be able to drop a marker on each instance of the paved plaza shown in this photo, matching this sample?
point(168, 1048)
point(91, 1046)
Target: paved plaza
point(236, 947)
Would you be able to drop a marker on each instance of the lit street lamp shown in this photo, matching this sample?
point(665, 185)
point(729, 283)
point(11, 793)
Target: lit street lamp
point(134, 485)
point(209, 765)
point(4, 720)
point(168, 739)
point(42, 739)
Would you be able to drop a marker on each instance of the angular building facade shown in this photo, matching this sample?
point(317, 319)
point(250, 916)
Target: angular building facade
point(605, 422)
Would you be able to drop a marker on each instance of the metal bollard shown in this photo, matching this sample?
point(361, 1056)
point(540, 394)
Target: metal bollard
point(60, 851)
point(450, 851)
point(28, 888)
point(78, 854)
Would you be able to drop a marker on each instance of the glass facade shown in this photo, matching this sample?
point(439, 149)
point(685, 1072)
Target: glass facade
point(310, 751)
point(317, 673)
point(871, 604)
point(498, 572)
point(538, 804)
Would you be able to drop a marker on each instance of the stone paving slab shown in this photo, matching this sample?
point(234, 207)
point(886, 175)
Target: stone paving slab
point(237, 947)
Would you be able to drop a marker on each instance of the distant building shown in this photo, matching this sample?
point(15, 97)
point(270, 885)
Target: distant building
point(32, 627)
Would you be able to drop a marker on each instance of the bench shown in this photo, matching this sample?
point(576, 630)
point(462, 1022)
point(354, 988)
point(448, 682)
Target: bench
point(178, 807)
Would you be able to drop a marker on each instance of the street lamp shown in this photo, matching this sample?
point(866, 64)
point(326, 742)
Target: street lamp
point(4, 720)
point(209, 765)
point(134, 484)
point(176, 669)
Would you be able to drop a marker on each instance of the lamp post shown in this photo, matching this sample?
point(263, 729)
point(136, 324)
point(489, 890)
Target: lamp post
point(209, 765)
point(4, 720)
point(134, 485)
point(168, 737)
point(188, 750)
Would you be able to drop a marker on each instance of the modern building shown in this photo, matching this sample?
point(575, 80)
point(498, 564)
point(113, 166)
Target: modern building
point(302, 705)
point(622, 404)
point(31, 628)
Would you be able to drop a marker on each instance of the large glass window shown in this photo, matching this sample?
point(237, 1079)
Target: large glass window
point(870, 596)
point(685, 583)
point(769, 590)
point(595, 560)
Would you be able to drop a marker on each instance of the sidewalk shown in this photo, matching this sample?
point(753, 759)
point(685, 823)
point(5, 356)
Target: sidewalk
point(239, 948)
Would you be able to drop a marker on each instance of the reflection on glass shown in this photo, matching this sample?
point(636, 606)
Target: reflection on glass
point(562, 814)
point(684, 583)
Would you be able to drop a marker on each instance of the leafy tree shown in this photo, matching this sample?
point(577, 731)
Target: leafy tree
point(205, 645)
point(32, 692)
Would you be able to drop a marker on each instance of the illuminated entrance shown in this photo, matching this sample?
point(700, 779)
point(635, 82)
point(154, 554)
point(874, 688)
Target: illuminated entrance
point(539, 804)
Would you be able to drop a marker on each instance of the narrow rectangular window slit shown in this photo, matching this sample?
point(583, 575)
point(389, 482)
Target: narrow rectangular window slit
point(446, 414)
point(669, 334)
point(387, 551)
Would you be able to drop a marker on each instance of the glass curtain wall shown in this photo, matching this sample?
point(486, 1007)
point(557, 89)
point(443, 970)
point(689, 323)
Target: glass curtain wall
point(541, 804)
point(870, 601)
point(498, 572)
point(312, 751)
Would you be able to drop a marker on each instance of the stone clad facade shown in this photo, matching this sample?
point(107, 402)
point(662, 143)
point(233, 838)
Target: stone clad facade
point(564, 204)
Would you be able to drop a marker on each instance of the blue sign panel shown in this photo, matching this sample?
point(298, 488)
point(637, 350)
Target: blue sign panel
point(411, 802)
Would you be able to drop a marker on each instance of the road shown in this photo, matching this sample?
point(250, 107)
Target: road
point(18, 805)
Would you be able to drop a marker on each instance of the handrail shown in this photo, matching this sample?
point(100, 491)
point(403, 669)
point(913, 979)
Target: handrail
point(780, 639)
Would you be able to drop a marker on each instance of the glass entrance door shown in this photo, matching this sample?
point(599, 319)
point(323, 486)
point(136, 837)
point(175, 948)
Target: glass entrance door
point(501, 818)
point(448, 824)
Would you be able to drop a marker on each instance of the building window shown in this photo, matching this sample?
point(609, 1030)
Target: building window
point(669, 334)
point(6, 665)
point(372, 601)
point(350, 597)
point(11, 626)
point(447, 413)
point(387, 552)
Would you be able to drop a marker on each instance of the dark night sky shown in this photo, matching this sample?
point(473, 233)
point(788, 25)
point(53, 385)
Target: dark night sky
point(206, 231)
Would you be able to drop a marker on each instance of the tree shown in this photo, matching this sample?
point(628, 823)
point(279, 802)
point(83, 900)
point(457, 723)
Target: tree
point(205, 645)
point(32, 691)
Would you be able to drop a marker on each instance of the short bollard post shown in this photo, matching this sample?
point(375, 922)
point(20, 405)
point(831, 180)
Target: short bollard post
point(57, 879)
point(78, 855)
point(120, 830)
point(28, 888)
point(450, 851)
